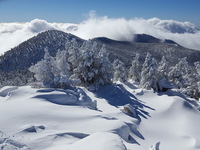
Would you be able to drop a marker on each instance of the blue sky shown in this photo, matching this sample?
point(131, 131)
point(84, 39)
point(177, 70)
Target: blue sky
point(75, 11)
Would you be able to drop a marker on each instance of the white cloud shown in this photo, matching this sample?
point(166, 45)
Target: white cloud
point(184, 33)
point(12, 34)
point(174, 26)
point(37, 25)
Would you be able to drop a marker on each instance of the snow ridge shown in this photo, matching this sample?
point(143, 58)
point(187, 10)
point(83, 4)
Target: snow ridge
point(125, 117)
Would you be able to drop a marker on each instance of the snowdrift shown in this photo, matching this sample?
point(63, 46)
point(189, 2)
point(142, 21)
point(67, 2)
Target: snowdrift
point(117, 116)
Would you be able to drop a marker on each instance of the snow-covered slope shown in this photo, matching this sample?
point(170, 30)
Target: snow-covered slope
point(116, 117)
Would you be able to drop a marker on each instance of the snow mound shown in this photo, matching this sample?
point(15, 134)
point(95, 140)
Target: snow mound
point(6, 90)
point(106, 141)
point(155, 147)
point(117, 95)
point(114, 117)
point(7, 143)
point(58, 97)
point(34, 128)
point(66, 97)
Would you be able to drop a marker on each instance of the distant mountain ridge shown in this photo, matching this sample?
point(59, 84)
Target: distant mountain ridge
point(32, 50)
point(125, 51)
point(145, 38)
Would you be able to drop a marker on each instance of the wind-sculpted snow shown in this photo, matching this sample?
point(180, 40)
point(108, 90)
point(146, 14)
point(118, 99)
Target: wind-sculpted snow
point(108, 141)
point(6, 143)
point(37, 119)
point(66, 97)
point(183, 33)
point(6, 90)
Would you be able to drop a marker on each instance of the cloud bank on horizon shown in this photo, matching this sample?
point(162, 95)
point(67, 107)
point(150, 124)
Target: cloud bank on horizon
point(184, 33)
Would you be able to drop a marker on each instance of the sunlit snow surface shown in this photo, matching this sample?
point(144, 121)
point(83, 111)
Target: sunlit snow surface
point(49, 119)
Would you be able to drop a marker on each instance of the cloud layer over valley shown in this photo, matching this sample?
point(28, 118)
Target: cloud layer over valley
point(184, 33)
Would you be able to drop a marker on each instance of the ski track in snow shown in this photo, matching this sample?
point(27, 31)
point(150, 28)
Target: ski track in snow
point(50, 119)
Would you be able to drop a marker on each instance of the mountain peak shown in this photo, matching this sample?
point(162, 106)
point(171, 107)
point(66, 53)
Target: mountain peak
point(145, 38)
point(32, 50)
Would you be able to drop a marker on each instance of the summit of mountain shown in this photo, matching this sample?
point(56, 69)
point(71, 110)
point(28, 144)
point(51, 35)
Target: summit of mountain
point(31, 51)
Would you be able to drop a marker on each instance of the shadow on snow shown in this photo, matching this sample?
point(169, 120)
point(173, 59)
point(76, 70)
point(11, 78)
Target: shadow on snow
point(116, 95)
point(73, 96)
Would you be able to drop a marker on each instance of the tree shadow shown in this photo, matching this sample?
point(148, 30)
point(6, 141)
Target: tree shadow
point(190, 104)
point(116, 95)
point(73, 97)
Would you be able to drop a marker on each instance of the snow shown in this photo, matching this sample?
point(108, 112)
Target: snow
point(107, 141)
point(118, 116)
point(173, 123)
point(5, 90)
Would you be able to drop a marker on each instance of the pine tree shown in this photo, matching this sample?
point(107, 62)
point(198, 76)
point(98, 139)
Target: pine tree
point(149, 74)
point(106, 70)
point(134, 71)
point(163, 68)
point(120, 73)
point(197, 67)
point(91, 70)
point(74, 53)
point(43, 70)
point(145, 70)
point(178, 72)
point(61, 69)
point(153, 75)
point(193, 89)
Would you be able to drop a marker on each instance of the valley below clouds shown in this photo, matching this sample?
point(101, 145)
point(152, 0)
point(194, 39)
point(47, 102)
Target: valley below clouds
point(183, 33)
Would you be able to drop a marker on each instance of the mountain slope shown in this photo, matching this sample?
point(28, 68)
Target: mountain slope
point(32, 50)
point(157, 48)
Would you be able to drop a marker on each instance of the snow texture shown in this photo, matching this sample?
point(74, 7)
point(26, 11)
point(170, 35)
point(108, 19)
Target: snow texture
point(118, 116)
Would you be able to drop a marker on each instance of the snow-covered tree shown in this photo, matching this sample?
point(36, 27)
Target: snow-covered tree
point(52, 72)
point(178, 72)
point(145, 70)
point(61, 69)
point(43, 70)
point(134, 71)
point(153, 75)
point(106, 69)
point(197, 67)
point(64, 80)
point(120, 73)
point(186, 78)
point(74, 53)
point(163, 68)
point(193, 87)
point(196, 81)
point(91, 70)
point(149, 74)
